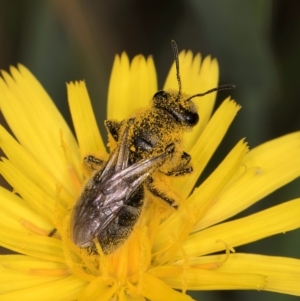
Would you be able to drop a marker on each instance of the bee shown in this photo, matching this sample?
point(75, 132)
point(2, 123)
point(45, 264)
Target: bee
point(148, 142)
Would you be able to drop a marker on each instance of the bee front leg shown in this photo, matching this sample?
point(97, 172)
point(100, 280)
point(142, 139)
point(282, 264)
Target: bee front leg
point(163, 191)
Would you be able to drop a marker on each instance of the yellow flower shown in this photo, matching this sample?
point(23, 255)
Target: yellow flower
point(168, 252)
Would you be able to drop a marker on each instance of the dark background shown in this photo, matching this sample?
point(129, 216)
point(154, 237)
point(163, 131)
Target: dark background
point(257, 44)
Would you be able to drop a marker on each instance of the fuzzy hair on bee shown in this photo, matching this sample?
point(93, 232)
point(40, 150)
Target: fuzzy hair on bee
point(148, 143)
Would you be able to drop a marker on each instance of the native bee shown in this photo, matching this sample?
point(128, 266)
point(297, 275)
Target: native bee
point(148, 142)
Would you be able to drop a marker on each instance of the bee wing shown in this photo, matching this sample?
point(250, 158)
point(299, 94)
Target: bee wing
point(123, 184)
point(118, 160)
point(100, 206)
point(95, 205)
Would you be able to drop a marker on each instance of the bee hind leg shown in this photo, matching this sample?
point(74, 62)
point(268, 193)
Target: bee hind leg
point(113, 127)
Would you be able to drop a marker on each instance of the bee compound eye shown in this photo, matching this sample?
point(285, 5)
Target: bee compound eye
point(192, 118)
point(187, 117)
point(161, 94)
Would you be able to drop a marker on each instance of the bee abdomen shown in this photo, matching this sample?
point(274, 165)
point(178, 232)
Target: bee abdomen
point(121, 228)
point(129, 216)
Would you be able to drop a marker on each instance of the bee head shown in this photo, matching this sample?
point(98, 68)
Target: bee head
point(184, 112)
point(179, 105)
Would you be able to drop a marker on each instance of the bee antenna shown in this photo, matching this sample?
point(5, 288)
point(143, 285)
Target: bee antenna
point(175, 51)
point(222, 87)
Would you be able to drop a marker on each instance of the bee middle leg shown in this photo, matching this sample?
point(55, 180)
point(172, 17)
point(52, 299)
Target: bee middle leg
point(159, 190)
point(183, 168)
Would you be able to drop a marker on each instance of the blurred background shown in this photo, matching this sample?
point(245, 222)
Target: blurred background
point(256, 43)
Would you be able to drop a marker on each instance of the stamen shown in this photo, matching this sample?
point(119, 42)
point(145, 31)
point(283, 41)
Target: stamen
point(214, 265)
point(49, 272)
point(74, 257)
point(75, 179)
point(242, 172)
point(258, 169)
point(228, 249)
point(33, 228)
point(187, 217)
point(185, 266)
point(132, 290)
point(39, 272)
point(77, 183)
point(103, 270)
point(103, 265)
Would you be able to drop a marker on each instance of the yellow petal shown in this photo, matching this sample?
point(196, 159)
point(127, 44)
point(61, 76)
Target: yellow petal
point(21, 281)
point(97, 290)
point(278, 219)
point(208, 142)
point(87, 132)
point(118, 82)
point(199, 279)
point(143, 83)
point(22, 160)
point(30, 265)
point(156, 290)
point(207, 79)
point(64, 289)
point(27, 272)
point(33, 194)
point(203, 197)
point(38, 246)
point(282, 273)
point(263, 170)
point(124, 296)
point(15, 214)
point(131, 86)
point(36, 122)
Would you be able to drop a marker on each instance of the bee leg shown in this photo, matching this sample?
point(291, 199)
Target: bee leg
point(183, 168)
point(113, 127)
point(153, 188)
point(93, 163)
